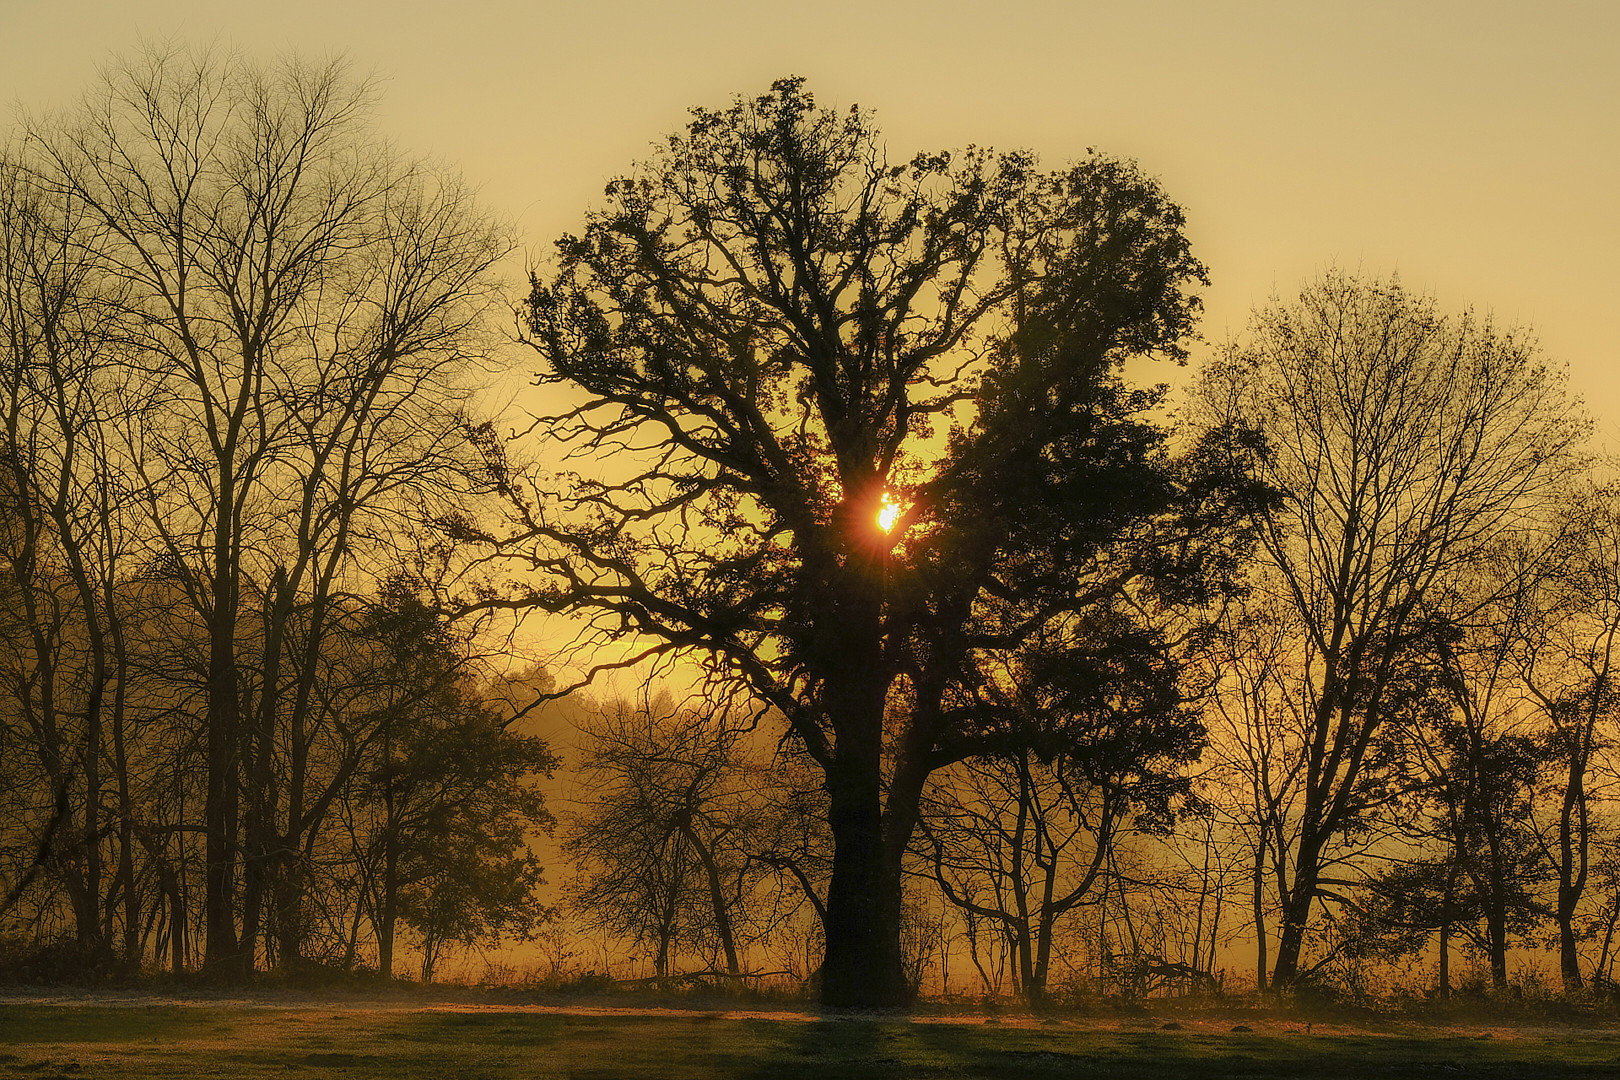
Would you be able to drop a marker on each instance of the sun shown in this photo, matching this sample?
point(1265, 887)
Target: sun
point(888, 513)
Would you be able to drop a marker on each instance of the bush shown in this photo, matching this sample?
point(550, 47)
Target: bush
point(63, 961)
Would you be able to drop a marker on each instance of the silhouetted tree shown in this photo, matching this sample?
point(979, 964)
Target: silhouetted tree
point(1020, 838)
point(62, 534)
point(1403, 441)
point(297, 307)
point(1463, 773)
point(781, 326)
point(1566, 654)
point(660, 842)
point(448, 801)
point(1256, 725)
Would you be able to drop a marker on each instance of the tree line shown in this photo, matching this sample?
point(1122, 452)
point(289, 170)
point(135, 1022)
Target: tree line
point(238, 332)
point(990, 646)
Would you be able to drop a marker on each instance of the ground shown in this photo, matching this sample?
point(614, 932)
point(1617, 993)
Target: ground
point(143, 1035)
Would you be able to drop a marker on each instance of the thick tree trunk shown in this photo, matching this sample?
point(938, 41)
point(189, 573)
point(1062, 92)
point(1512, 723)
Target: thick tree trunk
point(1498, 940)
point(863, 967)
point(1296, 914)
point(1496, 935)
point(1569, 961)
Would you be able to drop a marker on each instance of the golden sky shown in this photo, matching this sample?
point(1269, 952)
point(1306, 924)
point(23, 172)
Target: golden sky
point(1474, 146)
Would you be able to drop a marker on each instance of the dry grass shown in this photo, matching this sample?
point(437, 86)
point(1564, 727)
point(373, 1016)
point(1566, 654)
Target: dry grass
point(145, 1037)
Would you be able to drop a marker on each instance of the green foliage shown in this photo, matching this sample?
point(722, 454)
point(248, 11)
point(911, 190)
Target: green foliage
point(458, 797)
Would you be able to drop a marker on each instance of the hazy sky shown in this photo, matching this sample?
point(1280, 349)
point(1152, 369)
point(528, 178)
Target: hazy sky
point(1473, 146)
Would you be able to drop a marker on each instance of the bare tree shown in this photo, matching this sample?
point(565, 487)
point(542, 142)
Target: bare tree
point(65, 532)
point(1256, 724)
point(660, 843)
point(1403, 441)
point(1566, 654)
point(299, 307)
point(1019, 843)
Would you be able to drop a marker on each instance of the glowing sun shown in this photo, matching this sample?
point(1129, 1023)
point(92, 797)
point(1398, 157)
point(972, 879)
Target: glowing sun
point(888, 513)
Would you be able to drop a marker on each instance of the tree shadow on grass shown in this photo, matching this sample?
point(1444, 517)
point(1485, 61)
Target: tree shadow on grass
point(835, 1047)
point(1156, 1055)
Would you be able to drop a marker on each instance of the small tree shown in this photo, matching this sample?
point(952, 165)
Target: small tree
point(1566, 654)
point(660, 840)
point(1021, 838)
point(450, 800)
point(1466, 764)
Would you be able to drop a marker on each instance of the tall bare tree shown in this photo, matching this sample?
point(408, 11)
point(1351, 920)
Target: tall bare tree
point(300, 306)
point(1403, 440)
point(65, 532)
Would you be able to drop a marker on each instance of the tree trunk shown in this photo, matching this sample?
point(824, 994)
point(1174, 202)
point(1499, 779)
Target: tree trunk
point(177, 929)
point(1260, 912)
point(221, 955)
point(261, 886)
point(289, 907)
point(1496, 929)
point(1569, 963)
point(1296, 914)
point(1445, 960)
point(1447, 903)
point(134, 946)
point(385, 919)
point(1572, 841)
point(1035, 989)
point(863, 968)
point(717, 898)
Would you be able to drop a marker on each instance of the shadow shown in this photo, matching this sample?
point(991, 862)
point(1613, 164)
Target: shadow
point(846, 1047)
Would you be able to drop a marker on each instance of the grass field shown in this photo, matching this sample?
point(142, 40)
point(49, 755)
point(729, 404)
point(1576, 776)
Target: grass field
point(146, 1039)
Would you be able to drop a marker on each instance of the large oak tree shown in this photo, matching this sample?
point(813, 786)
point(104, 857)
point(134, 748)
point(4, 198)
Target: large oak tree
point(768, 331)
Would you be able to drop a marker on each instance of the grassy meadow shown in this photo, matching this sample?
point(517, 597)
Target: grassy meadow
point(133, 1039)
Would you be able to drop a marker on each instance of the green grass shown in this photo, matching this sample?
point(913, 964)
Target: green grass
point(80, 1042)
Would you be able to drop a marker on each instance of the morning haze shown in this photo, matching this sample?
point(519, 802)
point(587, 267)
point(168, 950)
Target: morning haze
point(900, 510)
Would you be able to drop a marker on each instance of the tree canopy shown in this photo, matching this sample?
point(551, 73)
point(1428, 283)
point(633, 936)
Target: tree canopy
point(768, 332)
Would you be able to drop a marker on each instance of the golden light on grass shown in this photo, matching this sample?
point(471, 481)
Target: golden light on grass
point(888, 513)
